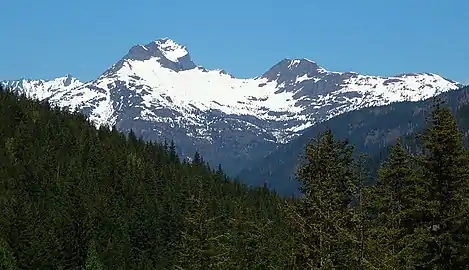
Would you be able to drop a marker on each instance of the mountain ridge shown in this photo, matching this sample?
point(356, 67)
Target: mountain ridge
point(160, 93)
point(371, 130)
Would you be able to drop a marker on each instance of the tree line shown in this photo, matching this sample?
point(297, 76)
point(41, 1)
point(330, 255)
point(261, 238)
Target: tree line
point(73, 196)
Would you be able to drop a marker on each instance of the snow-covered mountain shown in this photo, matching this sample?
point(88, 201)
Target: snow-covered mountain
point(42, 89)
point(159, 92)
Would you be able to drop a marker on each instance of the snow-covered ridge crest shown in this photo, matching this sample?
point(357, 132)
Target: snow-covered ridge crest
point(165, 51)
point(289, 97)
point(171, 50)
point(157, 91)
point(43, 89)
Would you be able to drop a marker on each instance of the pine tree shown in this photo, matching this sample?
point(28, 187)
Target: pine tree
point(219, 170)
point(445, 167)
point(202, 247)
point(197, 159)
point(327, 233)
point(92, 259)
point(7, 259)
point(396, 205)
point(172, 153)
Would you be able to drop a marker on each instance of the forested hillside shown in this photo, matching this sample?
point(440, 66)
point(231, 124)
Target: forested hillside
point(416, 216)
point(72, 195)
point(371, 130)
point(76, 197)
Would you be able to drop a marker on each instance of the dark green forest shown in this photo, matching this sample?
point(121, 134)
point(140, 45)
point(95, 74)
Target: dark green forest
point(76, 197)
point(372, 131)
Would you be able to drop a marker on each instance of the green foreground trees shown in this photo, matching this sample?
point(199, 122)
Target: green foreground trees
point(326, 219)
point(76, 197)
point(415, 216)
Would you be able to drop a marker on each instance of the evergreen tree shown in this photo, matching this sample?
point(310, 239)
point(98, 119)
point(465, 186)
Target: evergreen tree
point(7, 259)
point(92, 259)
point(396, 206)
point(330, 181)
point(445, 167)
point(197, 159)
point(172, 153)
point(202, 247)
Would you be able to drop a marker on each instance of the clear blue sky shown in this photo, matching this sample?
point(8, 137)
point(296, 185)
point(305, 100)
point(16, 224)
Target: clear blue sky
point(51, 38)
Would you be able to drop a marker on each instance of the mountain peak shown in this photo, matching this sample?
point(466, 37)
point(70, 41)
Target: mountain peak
point(171, 50)
point(292, 68)
point(68, 80)
point(168, 53)
point(302, 63)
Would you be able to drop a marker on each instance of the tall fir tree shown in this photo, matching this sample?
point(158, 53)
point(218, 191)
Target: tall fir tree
point(173, 153)
point(395, 206)
point(202, 247)
point(445, 167)
point(92, 259)
point(197, 160)
point(329, 182)
point(7, 259)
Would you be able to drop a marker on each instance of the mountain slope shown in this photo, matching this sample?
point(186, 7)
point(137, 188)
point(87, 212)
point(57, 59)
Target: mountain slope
point(370, 130)
point(160, 93)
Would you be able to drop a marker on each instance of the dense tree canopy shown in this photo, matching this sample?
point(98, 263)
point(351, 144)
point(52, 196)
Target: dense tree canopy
point(73, 196)
point(76, 196)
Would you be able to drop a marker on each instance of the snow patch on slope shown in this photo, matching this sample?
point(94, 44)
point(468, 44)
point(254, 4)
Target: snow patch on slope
point(171, 50)
point(210, 90)
point(407, 87)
